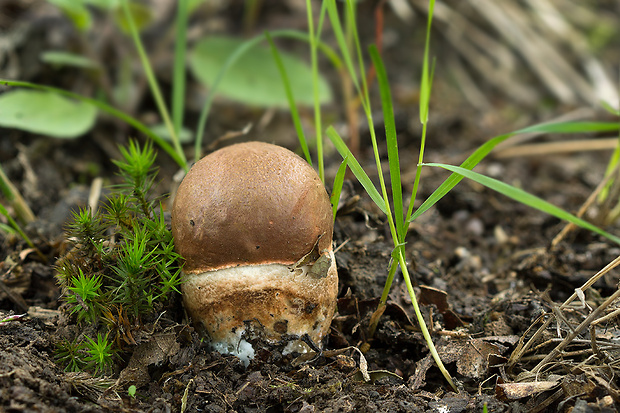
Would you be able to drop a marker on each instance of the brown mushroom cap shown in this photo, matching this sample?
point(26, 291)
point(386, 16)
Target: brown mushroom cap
point(250, 203)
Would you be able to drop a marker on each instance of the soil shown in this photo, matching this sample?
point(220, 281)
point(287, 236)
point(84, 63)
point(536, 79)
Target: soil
point(485, 270)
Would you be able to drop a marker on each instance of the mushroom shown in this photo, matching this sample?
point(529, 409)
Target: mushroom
point(254, 225)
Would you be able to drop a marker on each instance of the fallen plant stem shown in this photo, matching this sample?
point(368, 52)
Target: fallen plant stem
point(540, 149)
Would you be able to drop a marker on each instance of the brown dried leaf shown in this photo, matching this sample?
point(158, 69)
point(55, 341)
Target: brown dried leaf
point(515, 391)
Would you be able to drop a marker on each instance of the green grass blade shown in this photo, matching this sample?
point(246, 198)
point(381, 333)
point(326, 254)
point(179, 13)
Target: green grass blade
point(334, 19)
point(337, 187)
point(427, 335)
point(486, 148)
point(291, 99)
point(12, 195)
point(16, 227)
point(315, 91)
point(109, 110)
point(391, 140)
point(178, 74)
point(152, 80)
point(525, 198)
point(425, 84)
point(356, 168)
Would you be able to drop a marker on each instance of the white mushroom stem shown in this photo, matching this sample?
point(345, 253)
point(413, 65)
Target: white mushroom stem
point(283, 299)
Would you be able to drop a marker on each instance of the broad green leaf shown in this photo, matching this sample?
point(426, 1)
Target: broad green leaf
point(76, 11)
point(107, 109)
point(525, 198)
point(185, 135)
point(194, 4)
point(60, 58)
point(254, 78)
point(46, 113)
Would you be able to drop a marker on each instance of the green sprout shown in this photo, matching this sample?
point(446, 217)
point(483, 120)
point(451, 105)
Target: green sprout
point(84, 295)
point(70, 353)
point(123, 269)
point(100, 354)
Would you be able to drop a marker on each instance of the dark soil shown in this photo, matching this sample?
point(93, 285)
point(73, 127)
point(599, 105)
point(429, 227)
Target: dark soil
point(485, 271)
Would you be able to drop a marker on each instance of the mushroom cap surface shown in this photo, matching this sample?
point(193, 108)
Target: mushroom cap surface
point(250, 203)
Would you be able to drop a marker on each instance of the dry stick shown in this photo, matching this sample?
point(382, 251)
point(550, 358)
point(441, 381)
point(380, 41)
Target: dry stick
point(584, 324)
point(538, 149)
point(521, 349)
point(570, 226)
point(595, 347)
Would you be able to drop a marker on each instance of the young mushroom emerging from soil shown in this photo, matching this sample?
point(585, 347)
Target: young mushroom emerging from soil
point(254, 224)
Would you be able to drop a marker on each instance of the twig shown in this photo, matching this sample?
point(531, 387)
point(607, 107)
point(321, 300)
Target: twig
point(522, 348)
point(585, 323)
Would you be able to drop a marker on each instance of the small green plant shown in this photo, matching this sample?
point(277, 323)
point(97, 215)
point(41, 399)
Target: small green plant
point(100, 354)
point(131, 391)
point(84, 296)
point(123, 270)
point(71, 355)
point(87, 354)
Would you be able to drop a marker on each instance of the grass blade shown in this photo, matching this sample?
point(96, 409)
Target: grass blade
point(425, 84)
point(315, 91)
point(486, 148)
point(391, 141)
point(334, 19)
point(525, 198)
point(291, 99)
point(178, 74)
point(12, 195)
point(337, 187)
point(154, 86)
point(356, 168)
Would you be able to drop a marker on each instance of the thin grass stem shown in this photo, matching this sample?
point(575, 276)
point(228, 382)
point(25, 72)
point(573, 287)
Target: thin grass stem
point(21, 208)
point(291, 99)
point(178, 74)
point(152, 80)
point(315, 91)
point(421, 322)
